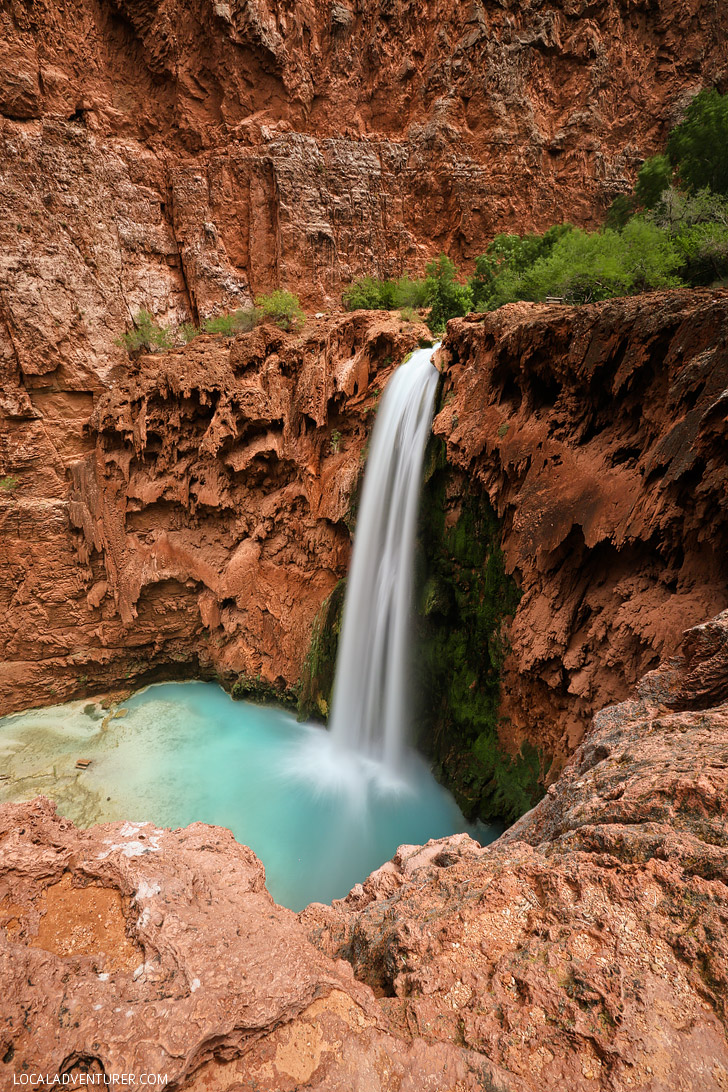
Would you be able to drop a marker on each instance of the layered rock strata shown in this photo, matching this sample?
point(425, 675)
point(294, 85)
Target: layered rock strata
point(599, 435)
point(192, 516)
point(587, 948)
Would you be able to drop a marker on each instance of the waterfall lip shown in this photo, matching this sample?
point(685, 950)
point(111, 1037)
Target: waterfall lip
point(371, 698)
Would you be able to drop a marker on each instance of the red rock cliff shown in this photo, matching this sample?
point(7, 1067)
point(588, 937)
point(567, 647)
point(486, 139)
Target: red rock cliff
point(183, 154)
point(193, 520)
point(599, 434)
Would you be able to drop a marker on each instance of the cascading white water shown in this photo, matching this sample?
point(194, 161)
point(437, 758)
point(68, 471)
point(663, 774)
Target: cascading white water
point(370, 700)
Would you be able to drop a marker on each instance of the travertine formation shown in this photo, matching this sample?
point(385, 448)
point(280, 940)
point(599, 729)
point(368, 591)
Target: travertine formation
point(586, 949)
point(600, 434)
point(195, 519)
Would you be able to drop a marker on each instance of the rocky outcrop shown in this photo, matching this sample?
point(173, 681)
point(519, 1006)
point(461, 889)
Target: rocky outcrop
point(599, 436)
point(587, 948)
point(194, 519)
point(126, 949)
point(183, 156)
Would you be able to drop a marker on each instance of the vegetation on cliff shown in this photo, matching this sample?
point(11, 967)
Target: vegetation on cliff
point(466, 598)
point(671, 232)
point(317, 677)
point(281, 308)
point(440, 290)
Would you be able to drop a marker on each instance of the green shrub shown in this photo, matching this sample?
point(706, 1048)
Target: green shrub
point(698, 147)
point(408, 314)
point(704, 252)
point(446, 296)
point(239, 322)
point(146, 334)
point(410, 293)
point(9, 483)
point(498, 270)
point(363, 295)
point(371, 294)
point(584, 266)
point(187, 331)
point(281, 308)
point(581, 266)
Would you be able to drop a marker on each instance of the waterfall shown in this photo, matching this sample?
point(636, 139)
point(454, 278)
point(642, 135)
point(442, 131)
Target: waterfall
point(370, 702)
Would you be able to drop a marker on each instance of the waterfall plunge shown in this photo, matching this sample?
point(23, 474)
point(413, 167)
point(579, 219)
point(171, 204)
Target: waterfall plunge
point(370, 701)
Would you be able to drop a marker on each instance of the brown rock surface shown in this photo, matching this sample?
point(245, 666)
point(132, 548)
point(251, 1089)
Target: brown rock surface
point(192, 520)
point(126, 949)
point(586, 949)
point(599, 434)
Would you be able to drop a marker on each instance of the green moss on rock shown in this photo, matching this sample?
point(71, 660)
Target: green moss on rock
point(317, 677)
point(254, 688)
point(466, 598)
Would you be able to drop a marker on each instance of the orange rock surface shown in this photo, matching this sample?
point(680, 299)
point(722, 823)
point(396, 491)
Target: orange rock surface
point(182, 156)
point(599, 434)
point(195, 519)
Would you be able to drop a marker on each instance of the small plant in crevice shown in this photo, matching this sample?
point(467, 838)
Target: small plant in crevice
point(281, 308)
point(335, 442)
point(145, 335)
point(9, 483)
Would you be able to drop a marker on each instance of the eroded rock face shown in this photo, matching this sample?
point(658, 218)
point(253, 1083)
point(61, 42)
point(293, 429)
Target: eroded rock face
point(587, 948)
point(129, 949)
point(194, 519)
point(599, 434)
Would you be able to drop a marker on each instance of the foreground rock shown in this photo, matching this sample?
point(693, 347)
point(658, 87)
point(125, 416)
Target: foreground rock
point(132, 950)
point(599, 434)
point(587, 949)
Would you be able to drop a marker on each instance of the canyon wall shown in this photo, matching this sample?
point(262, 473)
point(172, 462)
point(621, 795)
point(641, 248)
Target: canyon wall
point(599, 436)
point(183, 155)
point(193, 520)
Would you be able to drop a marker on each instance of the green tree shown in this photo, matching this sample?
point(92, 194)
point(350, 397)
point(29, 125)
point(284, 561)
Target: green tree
point(698, 146)
point(584, 267)
point(655, 175)
point(281, 308)
point(446, 296)
point(620, 211)
point(498, 270)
